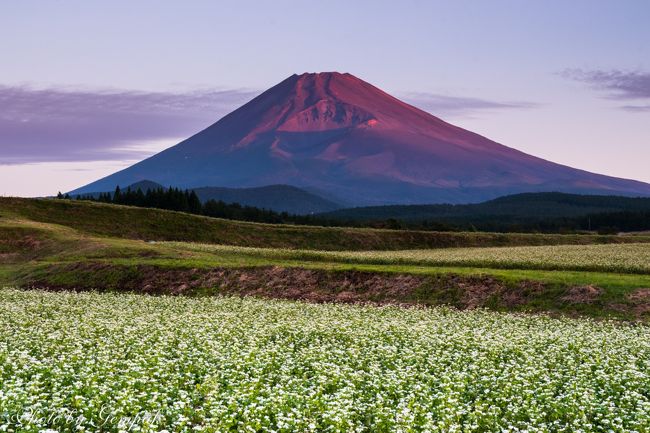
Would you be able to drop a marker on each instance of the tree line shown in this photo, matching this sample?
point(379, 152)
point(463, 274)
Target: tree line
point(188, 201)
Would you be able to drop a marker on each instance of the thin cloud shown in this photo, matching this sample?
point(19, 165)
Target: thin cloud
point(636, 108)
point(458, 106)
point(47, 125)
point(59, 125)
point(626, 85)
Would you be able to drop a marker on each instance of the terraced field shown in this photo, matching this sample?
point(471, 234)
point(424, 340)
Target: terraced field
point(224, 357)
point(55, 244)
point(124, 222)
point(623, 258)
point(128, 362)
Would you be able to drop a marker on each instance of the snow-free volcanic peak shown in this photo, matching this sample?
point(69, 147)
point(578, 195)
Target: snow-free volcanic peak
point(337, 135)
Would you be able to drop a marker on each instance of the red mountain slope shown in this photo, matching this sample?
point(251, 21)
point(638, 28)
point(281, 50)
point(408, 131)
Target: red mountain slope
point(338, 135)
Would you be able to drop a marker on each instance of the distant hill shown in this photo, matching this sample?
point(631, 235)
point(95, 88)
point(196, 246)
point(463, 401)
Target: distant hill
point(128, 222)
point(510, 209)
point(280, 198)
point(338, 134)
point(144, 185)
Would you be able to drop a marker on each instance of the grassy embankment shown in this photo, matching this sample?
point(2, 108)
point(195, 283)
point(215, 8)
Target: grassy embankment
point(62, 244)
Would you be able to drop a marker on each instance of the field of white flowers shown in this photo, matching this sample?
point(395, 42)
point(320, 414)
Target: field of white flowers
point(634, 258)
point(126, 362)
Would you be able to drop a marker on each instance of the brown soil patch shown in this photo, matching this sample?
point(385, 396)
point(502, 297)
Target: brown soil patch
point(640, 300)
point(299, 284)
point(640, 295)
point(310, 285)
point(7, 256)
point(319, 285)
point(476, 292)
point(29, 243)
point(524, 292)
point(582, 294)
point(25, 247)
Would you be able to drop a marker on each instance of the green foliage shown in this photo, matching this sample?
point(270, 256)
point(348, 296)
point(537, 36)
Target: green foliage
point(621, 258)
point(188, 201)
point(79, 244)
point(153, 224)
point(543, 212)
point(530, 212)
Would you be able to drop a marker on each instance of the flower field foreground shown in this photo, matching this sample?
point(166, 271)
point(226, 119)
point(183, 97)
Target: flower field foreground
point(126, 362)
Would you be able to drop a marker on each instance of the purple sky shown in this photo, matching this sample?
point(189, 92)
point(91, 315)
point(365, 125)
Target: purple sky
point(89, 88)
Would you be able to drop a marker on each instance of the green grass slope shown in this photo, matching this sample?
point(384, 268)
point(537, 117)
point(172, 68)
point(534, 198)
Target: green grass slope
point(101, 247)
point(100, 219)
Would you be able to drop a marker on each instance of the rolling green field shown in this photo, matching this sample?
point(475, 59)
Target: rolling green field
point(127, 362)
point(621, 258)
point(59, 244)
point(438, 336)
point(98, 219)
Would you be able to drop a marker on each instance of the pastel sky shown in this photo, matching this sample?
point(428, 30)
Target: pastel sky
point(87, 88)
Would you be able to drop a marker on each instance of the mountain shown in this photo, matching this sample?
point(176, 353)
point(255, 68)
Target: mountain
point(338, 135)
point(280, 198)
point(550, 212)
point(541, 205)
point(143, 185)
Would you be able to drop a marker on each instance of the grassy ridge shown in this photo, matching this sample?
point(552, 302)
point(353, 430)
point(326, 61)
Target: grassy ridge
point(103, 247)
point(621, 258)
point(152, 224)
point(59, 257)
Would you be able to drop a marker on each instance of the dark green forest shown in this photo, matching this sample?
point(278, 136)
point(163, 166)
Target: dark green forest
point(530, 212)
